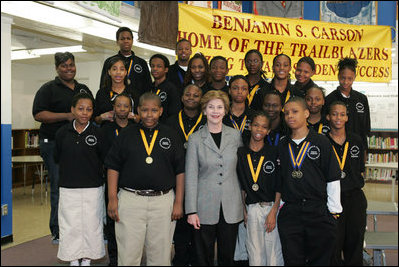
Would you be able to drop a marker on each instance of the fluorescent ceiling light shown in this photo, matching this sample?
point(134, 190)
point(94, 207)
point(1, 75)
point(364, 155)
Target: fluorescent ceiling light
point(33, 53)
point(152, 47)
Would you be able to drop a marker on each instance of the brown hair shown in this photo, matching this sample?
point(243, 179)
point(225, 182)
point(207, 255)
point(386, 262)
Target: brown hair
point(215, 94)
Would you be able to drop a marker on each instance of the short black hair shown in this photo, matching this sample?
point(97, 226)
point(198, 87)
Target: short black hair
point(321, 89)
point(124, 94)
point(218, 58)
point(337, 103)
point(279, 55)
point(347, 63)
point(150, 96)
point(308, 60)
point(79, 96)
point(275, 93)
point(61, 57)
point(181, 41)
point(236, 77)
point(123, 29)
point(298, 99)
point(253, 51)
point(260, 113)
point(164, 59)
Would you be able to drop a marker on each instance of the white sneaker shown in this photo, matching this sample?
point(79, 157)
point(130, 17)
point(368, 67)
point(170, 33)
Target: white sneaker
point(74, 263)
point(85, 262)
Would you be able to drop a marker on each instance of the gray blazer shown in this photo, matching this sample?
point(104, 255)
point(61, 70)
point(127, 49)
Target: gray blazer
point(211, 178)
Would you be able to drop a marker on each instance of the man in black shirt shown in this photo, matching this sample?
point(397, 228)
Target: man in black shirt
point(178, 70)
point(52, 107)
point(138, 74)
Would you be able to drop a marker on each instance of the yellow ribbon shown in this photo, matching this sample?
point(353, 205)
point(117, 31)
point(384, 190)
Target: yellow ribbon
point(342, 164)
point(182, 125)
point(286, 99)
point(255, 176)
point(148, 148)
point(252, 94)
point(320, 127)
point(235, 125)
point(298, 161)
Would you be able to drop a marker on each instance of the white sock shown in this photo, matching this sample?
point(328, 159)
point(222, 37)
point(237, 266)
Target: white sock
point(85, 262)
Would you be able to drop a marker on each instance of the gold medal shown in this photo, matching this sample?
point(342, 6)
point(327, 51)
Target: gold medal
point(342, 163)
point(148, 160)
point(297, 162)
point(128, 81)
point(293, 174)
point(150, 147)
point(299, 174)
point(255, 187)
point(255, 176)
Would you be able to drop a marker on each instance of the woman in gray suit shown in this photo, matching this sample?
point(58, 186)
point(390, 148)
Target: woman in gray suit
point(213, 199)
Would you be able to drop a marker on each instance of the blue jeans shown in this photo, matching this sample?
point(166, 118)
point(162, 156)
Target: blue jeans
point(47, 153)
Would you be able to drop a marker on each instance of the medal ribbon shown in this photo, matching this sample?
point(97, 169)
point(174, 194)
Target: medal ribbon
point(286, 99)
point(182, 125)
point(342, 164)
point(297, 162)
point(148, 149)
point(275, 140)
point(255, 176)
point(320, 127)
point(116, 132)
point(235, 125)
point(252, 94)
point(130, 67)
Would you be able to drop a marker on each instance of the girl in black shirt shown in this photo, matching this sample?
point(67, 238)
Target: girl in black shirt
point(304, 71)
point(198, 72)
point(314, 98)
point(115, 82)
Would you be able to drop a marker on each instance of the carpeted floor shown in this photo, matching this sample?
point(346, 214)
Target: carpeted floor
point(38, 252)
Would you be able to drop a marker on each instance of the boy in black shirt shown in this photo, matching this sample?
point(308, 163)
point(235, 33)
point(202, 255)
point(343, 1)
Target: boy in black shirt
point(177, 71)
point(146, 162)
point(310, 188)
point(348, 149)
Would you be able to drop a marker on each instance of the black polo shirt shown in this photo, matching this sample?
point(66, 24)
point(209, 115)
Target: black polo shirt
point(110, 131)
point(80, 156)
point(188, 124)
point(257, 101)
point(105, 98)
point(140, 79)
point(246, 134)
point(322, 126)
point(320, 166)
point(176, 76)
point(354, 165)
point(54, 96)
point(299, 88)
point(267, 176)
point(225, 88)
point(274, 136)
point(170, 99)
point(358, 112)
point(289, 88)
point(127, 156)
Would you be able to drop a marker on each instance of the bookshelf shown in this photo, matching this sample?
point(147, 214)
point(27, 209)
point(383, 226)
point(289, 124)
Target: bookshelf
point(24, 142)
point(382, 152)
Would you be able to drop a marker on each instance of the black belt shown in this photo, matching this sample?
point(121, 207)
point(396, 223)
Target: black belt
point(147, 193)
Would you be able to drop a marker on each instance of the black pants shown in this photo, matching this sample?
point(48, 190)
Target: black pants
point(204, 239)
point(307, 233)
point(184, 243)
point(351, 226)
point(109, 231)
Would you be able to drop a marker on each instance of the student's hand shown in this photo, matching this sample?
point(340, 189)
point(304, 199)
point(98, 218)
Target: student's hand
point(70, 116)
point(270, 222)
point(108, 116)
point(177, 212)
point(193, 219)
point(134, 117)
point(113, 209)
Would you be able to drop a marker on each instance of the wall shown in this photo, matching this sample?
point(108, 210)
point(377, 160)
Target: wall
point(27, 79)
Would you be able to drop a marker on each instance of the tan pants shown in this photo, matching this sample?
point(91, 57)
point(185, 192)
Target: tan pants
point(144, 222)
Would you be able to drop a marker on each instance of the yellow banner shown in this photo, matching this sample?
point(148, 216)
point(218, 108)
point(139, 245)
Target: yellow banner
point(230, 34)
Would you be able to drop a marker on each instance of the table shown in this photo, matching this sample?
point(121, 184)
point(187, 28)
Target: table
point(379, 241)
point(391, 166)
point(31, 159)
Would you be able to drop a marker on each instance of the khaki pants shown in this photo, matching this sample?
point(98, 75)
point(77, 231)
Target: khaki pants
point(144, 222)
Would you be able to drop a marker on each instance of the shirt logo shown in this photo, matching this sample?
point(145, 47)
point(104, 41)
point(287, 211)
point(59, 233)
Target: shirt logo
point(163, 96)
point(138, 68)
point(165, 143)
point(199, 128)
point(355, 150)
point(83, 91)
point(325, 129)
point(314, 152)
point(359, 107)
point(91, 140)
point(268, 167)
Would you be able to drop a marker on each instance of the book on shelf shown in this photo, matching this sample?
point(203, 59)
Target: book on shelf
point(379, 174)
point(379, 142)
point(382, 157)
point(31, 140)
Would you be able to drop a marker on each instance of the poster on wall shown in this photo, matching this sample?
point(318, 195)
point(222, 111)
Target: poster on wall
point(231, 5)
point(109, 9)
point(348, 12)
point(383, 105)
